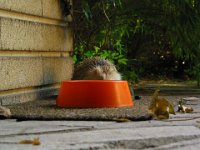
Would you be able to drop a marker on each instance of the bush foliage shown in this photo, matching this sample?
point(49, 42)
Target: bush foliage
point(145, 38)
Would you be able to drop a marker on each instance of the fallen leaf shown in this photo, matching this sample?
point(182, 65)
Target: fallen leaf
point(4, 112)
point(184, 109)
point(189, 109)
point(160, 114)
point(35, 141)
point(160, 107)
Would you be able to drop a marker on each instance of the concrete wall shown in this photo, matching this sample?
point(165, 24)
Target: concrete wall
point(35, 46)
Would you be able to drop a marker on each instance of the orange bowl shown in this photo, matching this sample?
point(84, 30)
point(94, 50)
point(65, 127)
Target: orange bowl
point(94, 94)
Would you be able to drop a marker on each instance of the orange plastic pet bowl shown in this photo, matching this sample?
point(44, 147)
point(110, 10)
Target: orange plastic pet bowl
point(94, 94)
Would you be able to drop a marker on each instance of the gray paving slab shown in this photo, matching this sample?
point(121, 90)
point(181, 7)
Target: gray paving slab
point(193, 144)
point(22, 129)
point(11, 126)
point(75, 140)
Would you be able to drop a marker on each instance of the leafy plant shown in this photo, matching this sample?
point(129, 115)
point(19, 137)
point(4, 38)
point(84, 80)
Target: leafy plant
point(196, 73)
point(122, 30)
point(113, 56)
point(130, 76)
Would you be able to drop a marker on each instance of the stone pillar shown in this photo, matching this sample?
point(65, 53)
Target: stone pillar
point(35, 46)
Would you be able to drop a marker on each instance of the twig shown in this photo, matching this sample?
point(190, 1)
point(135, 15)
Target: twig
point(105, 14)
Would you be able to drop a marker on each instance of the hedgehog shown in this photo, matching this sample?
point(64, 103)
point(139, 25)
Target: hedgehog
point(96, 68)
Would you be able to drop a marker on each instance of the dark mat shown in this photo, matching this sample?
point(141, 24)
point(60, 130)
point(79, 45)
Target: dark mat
point(47, 110)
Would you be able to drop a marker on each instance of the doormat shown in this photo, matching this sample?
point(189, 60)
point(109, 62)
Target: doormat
point(46, 109)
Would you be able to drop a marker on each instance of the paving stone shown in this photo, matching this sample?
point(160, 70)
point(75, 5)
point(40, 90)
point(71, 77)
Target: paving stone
point(191, 100)
point(20, 147)
point(95, 124)
point(183, 145)
point(73, 140)
point(22, 129)
point(98, 125)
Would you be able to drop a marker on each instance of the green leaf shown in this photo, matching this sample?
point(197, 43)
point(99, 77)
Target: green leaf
point(89, 53)
point(122, 61)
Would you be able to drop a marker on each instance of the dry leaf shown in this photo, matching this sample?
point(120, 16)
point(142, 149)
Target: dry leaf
point(160, 114)
point(35, 141)
point(184, 109)
point(160, 107)
point(4, 112)
point(189, 109)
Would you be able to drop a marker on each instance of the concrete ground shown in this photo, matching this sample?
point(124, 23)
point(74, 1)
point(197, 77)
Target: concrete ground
point(181, 131)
